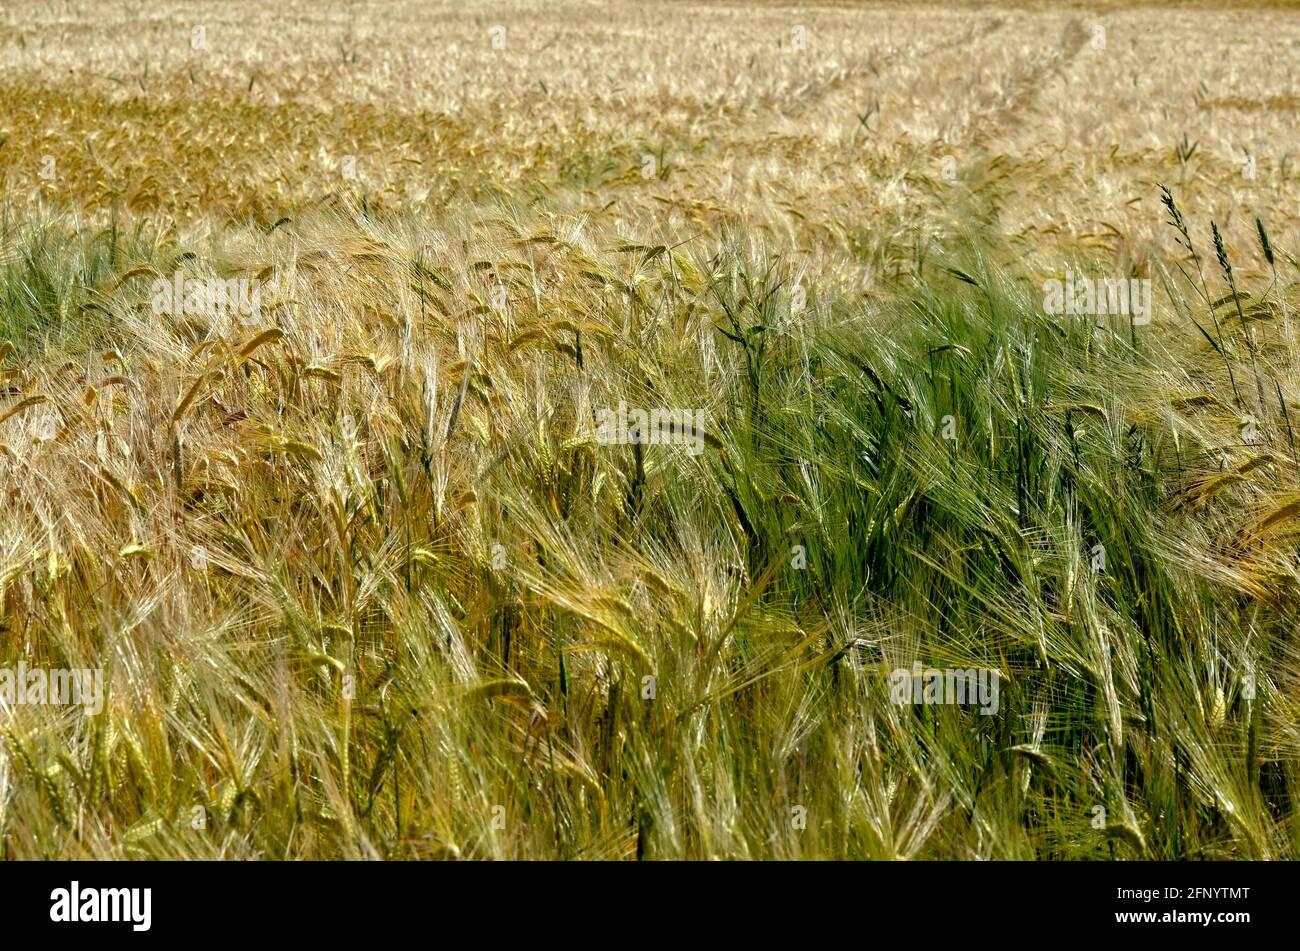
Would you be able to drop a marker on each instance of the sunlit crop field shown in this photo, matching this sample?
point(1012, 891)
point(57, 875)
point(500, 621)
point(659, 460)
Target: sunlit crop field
point(838, 131)
point(546, 430)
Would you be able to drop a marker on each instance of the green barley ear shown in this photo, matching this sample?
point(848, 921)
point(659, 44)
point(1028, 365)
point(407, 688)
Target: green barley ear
point(1222, 255)
point(1225, 265)
point(1264, 242)
point(1176, 217)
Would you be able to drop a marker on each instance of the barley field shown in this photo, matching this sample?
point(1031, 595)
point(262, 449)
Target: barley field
point(726, 429)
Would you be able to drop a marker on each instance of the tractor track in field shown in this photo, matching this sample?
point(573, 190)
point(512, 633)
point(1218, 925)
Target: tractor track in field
point(1027, 84)
point(814, 95)
point(987, 178)
point(972, 34)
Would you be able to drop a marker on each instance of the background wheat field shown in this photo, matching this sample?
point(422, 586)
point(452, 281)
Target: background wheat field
point(362, 577)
